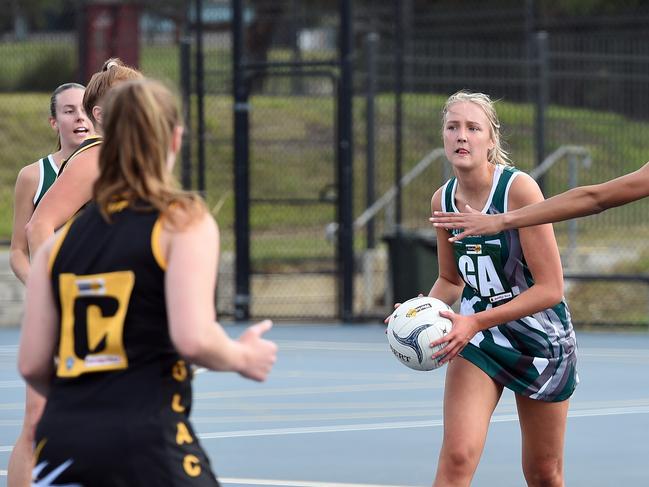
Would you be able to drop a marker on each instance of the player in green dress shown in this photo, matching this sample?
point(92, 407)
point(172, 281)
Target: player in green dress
point(513, 330)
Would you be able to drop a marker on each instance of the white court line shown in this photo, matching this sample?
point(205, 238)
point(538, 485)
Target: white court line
point(298, 391)
point(298, 483)
point(283, 483)
point(500, 418)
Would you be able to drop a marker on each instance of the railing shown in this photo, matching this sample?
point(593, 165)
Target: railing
point(575, 154)
point(390, 194)
point(572, 152)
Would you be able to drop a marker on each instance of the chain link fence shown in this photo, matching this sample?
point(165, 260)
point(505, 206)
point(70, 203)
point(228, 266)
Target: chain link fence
point(561, 80)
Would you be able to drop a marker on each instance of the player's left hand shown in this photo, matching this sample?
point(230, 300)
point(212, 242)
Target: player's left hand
point(463, 330)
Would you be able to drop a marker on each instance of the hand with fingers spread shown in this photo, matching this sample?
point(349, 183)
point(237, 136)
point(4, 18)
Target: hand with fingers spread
point(261, 354)
point(463, 330)
point(470, 223)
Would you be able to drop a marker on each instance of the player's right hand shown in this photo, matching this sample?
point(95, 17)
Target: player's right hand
point(387, 318)
point(261, 353)
point(396, 305)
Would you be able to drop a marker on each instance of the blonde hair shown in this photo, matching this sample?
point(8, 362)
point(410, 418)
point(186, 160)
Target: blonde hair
point(140, 117)
point(497, 155)
point(113, 71)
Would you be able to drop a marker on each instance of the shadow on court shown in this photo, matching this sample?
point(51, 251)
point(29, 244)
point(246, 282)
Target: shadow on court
point(340, 411)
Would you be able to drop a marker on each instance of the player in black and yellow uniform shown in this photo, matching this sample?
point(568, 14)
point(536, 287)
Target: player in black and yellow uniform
point(73, 187)
point(122, 297)
point(88, 143)
point(118, 372)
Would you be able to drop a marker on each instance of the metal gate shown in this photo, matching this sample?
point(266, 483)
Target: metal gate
point(293, 196)
point(293, 176)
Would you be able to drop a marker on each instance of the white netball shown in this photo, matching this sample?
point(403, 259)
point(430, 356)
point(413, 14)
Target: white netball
point(413, 326)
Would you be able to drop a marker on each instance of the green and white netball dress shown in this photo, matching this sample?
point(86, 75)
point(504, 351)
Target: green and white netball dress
point(536, 355)
point(48, 170)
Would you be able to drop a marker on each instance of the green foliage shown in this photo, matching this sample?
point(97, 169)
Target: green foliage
point(54, 68)
point(35, 66)
point(25, 136)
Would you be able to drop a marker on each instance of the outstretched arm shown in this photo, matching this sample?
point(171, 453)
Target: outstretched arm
point(577, 202)
point(71, 190)
point(189, 286)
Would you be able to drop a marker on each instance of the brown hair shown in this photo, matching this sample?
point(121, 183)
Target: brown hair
point(112, 72)
point(140, 117)
point(497, 155)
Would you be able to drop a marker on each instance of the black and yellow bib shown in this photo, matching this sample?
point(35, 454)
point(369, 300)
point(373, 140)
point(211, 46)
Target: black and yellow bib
point(92, 141)
point(119, 404)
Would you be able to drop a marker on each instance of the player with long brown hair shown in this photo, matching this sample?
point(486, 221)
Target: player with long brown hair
point(126, 292)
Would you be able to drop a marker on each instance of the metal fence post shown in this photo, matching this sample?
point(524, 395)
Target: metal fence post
point(371, 44)
point(186, 90)
point(200, 96)
point(530, 22)
point(345, 162)
point(572, 224)
point(241, 169)
point(541, 99)
point(398, 54)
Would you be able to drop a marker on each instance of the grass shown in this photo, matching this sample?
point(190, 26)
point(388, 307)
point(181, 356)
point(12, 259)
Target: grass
point(293, 155)
point(293, 150)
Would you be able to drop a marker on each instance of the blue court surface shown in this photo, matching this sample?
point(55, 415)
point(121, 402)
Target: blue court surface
point(340, 411)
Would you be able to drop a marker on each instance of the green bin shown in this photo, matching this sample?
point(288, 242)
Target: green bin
point(413, 263)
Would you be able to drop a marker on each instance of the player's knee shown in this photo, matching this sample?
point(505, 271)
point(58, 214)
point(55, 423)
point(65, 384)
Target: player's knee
point(545, 473)
point(460, 461)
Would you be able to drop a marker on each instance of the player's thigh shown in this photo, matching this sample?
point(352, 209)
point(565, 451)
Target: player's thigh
point(470, 397)
point(543, 428)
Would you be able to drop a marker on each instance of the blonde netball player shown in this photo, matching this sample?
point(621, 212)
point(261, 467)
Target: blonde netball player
point(68, 119)
point(513, 330)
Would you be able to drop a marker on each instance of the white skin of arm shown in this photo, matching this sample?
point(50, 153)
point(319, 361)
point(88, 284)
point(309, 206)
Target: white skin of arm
point(190, 279)
point(542, 257)
point(40, 325)
point(449, 285)
point(577, 202)
point(26, 185)
point(71, 190)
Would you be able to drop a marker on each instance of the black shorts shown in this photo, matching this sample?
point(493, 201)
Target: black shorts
point(109, 451)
